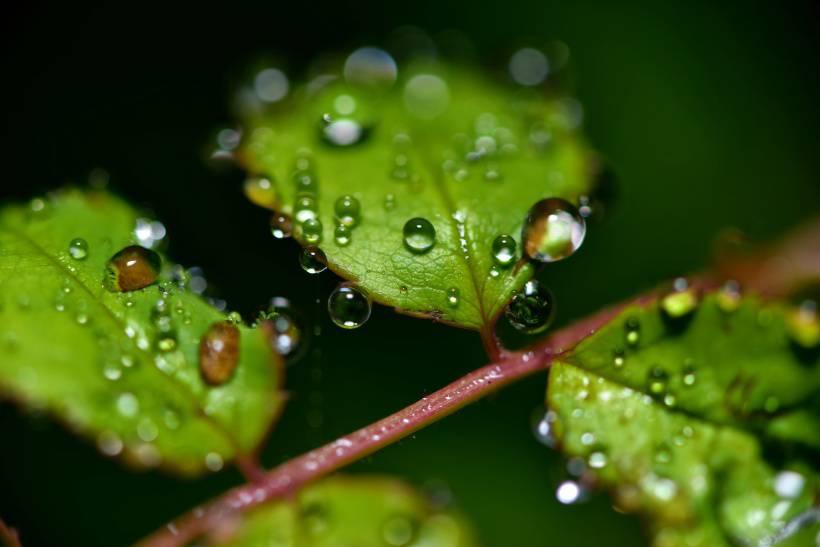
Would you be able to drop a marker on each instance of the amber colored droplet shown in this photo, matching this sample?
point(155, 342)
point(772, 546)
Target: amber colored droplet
point(219, 353)
point(132, 268)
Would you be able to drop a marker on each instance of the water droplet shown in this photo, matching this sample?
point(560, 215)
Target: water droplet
point(494, 272)
point(348, 306)
point(342, 235)
point(618, 358)
point(131, 269)
point(304, 178)
point(260, 191)
point(370, 66)
point(597, 460)
point(112, 371)
point(285, 334)
point(343, 132)
point(305, 207)
point(657, 381)
point(281, 226)
point(311, 230)
point(544, 424)
point(128, 405)
point(531, 310)
point(803, 325)
point(271, 85)
point(148, 232)
point(569, 492)
point(78, 248)
point(553, 230)
point(347, 210)
point(528, 66)
point(729, 296)
point(504, 250)
point(398, 531)
point(680, 302)
point(453, 297)
point(789, 484)
point(147, 430)
point(632, 327)
point(419, 235)
point(689, 373)
point(426, 96)
point(313, 260)
point(219, 353)
point(109, 443)
point(389, 202)
point(213, 461)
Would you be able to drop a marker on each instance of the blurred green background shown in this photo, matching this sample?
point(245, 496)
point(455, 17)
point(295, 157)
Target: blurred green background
point(707, 112)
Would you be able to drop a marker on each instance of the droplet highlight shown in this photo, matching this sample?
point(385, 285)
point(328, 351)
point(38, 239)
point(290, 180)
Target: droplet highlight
point(553, 230)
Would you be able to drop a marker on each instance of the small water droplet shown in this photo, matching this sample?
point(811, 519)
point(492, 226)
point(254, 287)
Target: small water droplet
point(494, 272)
point(213, 461)
point(419, 235)
point(109, 443)
point(657, 381)
point(260, 191)
point(680, 302)
point(281, 226)
point(343, 132)
point(311, 230)
point(618, 358)
point(112, 371)
point(553, 230)
point(504, 250)
point(597, 460)
point(305, 208)
point(398, 531)
point(729, 297)
point(453, 297)
point(313, 260)
point(342, 235)
point(632, 328)
point(569, 492)
point(78, 248)
point(528, 66)
point(348, 306)
point(803, 325)
point(127, 405)
point(531, 310)
point(347, 210)
point(544, 424)
point(219, 353)
point(131, 269)
point(689, 373)
point(389, 202)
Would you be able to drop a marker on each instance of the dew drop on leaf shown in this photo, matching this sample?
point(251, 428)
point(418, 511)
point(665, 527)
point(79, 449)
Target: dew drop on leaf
point(680, 302)
point(453, 296)
point(553, 230)
point(312, 230)
point(389, 202)
point(305, 208)
point(729, 296)
point(803, 325)
point(343, 132)
point(78, 248)
point(618, 358)
point(313, 260)
point(349, 307)
point(342, 235)
point(260, 191)
point(657, 381)
point(398, 531)
point(127, 405)
point(504, 250)
point(281, 226)
point(347, 210)
point(419, 235)
point(218, 353)
point(131, 269)
point(632, 328)
point(531, 310)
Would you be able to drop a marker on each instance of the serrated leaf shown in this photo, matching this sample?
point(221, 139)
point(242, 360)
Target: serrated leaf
point(708, 424)
point(366, 511)
point(112, 365)
point(472, 168)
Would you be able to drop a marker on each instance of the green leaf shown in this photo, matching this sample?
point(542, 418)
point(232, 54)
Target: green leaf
point(412, 162)
point(118, 366)
point(365, 511)
point(708, 423)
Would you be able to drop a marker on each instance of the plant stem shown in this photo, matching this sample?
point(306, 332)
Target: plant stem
point(296, 473)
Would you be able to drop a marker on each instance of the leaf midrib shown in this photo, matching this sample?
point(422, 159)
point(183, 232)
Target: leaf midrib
point(120, 330)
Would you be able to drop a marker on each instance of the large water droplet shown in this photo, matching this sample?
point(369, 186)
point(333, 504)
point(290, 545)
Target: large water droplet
point(553, 230)
point(78, 248)
point(348, 306)
point(504, 250)
point(419, 235)
point(313, 260)
point(219, 353)
point(531, 310)
point(347, 210)
point(131, 269)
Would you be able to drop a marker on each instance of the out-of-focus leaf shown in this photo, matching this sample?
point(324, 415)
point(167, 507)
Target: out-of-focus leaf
point(121, 367)
point(442, 143)
point(707, 423)
point(346, 511)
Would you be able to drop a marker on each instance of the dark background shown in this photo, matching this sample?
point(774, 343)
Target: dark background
point(707, 112)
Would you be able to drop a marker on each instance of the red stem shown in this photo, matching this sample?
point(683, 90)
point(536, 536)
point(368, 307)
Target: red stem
point(296, 473)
